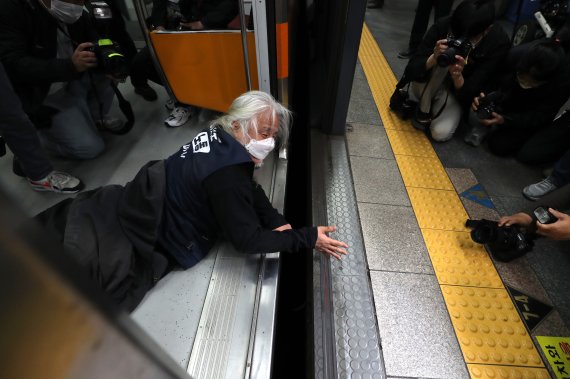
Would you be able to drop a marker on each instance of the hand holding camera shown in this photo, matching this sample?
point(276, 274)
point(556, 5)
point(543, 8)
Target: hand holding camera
point(557, 227)
point(83, 58)
point(486, 108)
point(454, 47)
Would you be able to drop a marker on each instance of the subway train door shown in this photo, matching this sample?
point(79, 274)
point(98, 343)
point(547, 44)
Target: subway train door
point(209, 68)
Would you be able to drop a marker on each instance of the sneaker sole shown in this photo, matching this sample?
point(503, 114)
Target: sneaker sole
point(529, 197)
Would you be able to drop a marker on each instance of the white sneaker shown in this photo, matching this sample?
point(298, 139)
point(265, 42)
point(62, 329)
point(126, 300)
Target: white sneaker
point(537, 190)
point(178, 117)
point(57, 181)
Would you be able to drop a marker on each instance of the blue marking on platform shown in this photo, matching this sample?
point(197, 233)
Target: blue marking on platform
point(478, 195)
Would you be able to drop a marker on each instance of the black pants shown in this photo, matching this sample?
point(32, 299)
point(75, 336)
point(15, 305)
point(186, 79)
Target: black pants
point(441, 9)
point(142, 69)
point(20, 134)
point(533, 146)
point(561, 174)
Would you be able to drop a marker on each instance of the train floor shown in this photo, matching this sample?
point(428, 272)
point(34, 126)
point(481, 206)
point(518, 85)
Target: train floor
point(406, 196)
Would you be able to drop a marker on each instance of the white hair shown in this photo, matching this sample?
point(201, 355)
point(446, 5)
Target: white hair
point(249, 107)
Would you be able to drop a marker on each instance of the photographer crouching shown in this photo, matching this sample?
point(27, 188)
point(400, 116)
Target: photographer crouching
point(533, 87)
point(47, 49)
point(454, 61)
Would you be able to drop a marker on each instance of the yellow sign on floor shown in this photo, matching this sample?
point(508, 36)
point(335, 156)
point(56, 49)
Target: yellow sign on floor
point(557, 351)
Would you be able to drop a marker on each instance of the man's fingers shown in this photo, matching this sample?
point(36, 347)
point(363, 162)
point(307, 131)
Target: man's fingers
point(84, 45)
point(557, 214)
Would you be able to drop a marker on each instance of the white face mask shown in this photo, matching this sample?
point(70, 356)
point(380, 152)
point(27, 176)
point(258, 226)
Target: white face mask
point(260, 149)
point(66, 12)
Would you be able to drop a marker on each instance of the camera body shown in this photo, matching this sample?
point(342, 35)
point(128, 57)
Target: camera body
point(110, 58)
point(489, 104)
point(455, 46)
point(108, 52)
point(505, 243)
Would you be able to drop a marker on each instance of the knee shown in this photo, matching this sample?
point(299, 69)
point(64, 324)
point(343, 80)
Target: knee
point(441, 134)
point(87, 149)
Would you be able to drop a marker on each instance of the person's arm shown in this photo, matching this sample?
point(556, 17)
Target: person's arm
point(231, 198)
point(15, 52)
point(221, 14)
point(479, 77)
point(158, 15)
point(558, 199)
point(268, 215)
point(423, 61)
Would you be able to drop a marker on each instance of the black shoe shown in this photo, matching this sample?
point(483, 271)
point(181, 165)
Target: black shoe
point(408, 53)
point(146, 92)
point(421, 121)
point(374, 4)
point(17, 168)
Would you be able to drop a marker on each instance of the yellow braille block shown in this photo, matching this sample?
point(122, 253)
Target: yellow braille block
point(423, 172)
point(505, 372)
point(457, 260)
point(381, 80)
point(438, 209)
point(489, 328)
point(412, 143)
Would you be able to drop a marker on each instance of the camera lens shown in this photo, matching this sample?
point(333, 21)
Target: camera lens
point(447, 57)
point(483, 234)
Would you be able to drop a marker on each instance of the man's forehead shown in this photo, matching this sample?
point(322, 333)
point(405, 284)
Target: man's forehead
point(266, 121)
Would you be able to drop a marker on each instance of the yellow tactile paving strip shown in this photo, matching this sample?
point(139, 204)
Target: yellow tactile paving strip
point(491, 334)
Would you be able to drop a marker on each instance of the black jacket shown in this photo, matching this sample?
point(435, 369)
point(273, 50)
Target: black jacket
point(214, 14)
point(28, 49)
point(481, 66)
point(534, 107)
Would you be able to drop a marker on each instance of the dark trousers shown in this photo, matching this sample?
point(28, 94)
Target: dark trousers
point(142, 69)
point(541, 146)
point(561, 174)
point(20, 134)
point(441, 8)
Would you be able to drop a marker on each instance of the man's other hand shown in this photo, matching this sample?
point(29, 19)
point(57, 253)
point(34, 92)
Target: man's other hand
point(559, 230)
point(82, 58)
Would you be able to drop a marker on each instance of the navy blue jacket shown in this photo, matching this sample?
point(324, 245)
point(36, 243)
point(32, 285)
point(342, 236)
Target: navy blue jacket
point(210, 193)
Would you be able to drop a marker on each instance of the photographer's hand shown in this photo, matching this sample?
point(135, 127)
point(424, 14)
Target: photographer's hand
point(496, 119)
point(521, 219)
point(476, 102)
point(440, 47)
point(560, 230)
point(82, 58)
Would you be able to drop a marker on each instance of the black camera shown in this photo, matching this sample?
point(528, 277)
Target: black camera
point(110, 58)
point(108, 52)
point(459, 46)
point(505, 243)
point(489, 104)
point(402, 105)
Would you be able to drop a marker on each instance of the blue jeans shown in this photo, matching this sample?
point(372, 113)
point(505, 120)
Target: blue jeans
point(73, 133)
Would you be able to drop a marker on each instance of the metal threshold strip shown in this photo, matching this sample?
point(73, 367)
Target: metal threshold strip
point(347, 342)
point(217, 318)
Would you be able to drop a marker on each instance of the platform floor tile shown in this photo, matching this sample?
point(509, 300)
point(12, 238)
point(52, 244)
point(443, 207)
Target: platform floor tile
point(457, 260)
point(492, 337)
point(423, 172)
